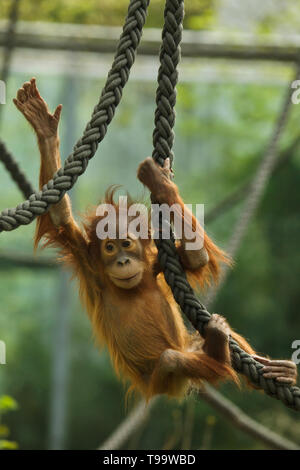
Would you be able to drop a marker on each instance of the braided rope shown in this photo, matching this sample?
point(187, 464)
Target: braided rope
point(16, 173)
point(175, 276)
point(163, 135)
point(163, 139)
point(76, 163)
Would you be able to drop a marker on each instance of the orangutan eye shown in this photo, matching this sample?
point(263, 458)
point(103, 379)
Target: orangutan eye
point(126, 243)
point(109, 247)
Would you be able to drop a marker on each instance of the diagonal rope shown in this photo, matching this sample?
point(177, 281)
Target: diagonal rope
point(163, 138)
point(86, 147)
point(130, 424)
point(236, 196)
point(168, 258)
point(257, 186)
point(237, 417)
point(15, 171)
point(136, 418)
point(224, 406)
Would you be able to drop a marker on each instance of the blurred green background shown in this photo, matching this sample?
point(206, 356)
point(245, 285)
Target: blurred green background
point(67, 392)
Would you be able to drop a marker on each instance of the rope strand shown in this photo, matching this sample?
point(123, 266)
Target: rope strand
point(86, 147)
point(163, 139)
point(175, 276)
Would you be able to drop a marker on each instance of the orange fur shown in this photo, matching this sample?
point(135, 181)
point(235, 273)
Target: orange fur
point(242, 343)
point(205, 275)
point(137, 326)
point(141, 326)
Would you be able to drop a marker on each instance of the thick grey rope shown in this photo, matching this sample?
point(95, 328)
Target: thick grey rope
point(16, 173)
point(86, 147)
point(163, 135)
point(65, 178)
point(167, 254)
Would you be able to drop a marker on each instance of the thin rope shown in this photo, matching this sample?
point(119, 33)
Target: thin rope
point(130, 424)
point(86, 147)
point(239, 194)
point(257, 187)
point(216, 400)
point(15, 171)
point(240, 420)
point(168, 257)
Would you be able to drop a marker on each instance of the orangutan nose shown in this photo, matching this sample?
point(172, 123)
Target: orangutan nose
point(123, 261)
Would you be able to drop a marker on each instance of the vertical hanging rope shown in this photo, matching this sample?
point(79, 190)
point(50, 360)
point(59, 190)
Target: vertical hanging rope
point(163, 135)
point(175, 276)
point(163, 139)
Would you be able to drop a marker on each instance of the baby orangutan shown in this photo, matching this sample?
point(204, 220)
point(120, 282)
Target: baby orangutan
point(129, 304)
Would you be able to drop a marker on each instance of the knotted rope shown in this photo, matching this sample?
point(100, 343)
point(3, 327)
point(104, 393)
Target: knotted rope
point(76, 163)
point(175, 276)
point(163, 139)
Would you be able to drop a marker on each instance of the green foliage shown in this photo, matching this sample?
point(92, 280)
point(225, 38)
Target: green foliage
point(7, 404)
point(199, 13)
point(8, 445)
